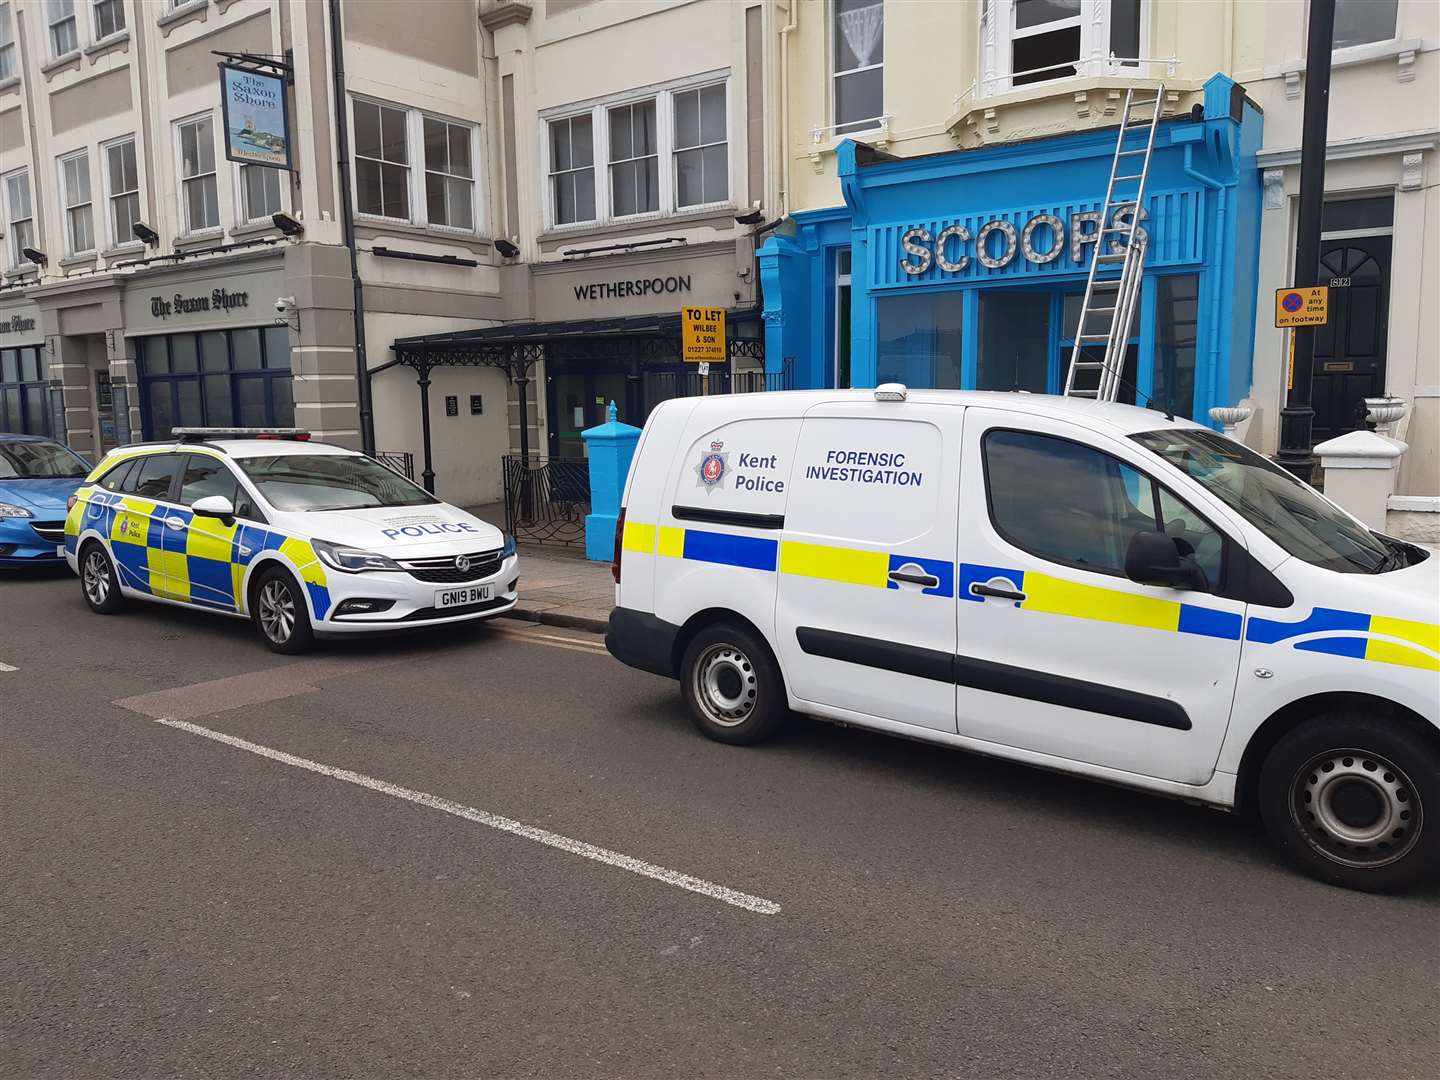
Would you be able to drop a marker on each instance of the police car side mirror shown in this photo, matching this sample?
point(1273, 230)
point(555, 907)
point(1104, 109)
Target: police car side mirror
point(1153, 558)
point(215, 506)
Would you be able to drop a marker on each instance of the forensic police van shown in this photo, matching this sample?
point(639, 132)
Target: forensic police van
point(301, 537)
point(1082, 586)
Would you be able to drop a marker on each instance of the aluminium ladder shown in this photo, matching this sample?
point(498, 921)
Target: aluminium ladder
point(1109, 305)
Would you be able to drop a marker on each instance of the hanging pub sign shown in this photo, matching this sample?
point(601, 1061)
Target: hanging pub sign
point(257, 125)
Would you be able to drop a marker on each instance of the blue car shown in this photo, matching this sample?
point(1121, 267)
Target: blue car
point(37, 478)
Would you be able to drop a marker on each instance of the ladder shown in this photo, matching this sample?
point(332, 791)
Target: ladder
point(1112, 287)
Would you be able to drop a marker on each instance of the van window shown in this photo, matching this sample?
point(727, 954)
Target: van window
point(876, 480)
point(738, 472)
point(1073, 504)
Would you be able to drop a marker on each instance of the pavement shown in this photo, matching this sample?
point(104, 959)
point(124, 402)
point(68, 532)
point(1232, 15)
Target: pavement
point(493, 851)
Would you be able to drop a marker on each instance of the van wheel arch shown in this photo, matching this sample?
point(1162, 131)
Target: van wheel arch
point(1291, 716)
point(710, 617)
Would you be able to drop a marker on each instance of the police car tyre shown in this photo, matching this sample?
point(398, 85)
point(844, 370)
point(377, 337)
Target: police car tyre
point(98, 583)
point(280, 612)
point(1354, 800)
point(733, 685)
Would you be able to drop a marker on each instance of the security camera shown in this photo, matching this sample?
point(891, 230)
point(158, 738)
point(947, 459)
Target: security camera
point(284, 305)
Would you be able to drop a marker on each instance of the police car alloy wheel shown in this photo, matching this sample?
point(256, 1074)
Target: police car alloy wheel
point(97, 581)
point(733, 685)
point(280, 613)
point(1345, 797)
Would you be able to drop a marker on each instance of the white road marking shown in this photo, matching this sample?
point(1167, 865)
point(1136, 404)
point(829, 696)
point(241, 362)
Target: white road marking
point(564, 642)
point(7, 667)
point(494, 821)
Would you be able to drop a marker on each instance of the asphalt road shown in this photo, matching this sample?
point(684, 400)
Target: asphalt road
point(175, 905)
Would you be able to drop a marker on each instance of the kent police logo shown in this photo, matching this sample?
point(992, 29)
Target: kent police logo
point(711, 470)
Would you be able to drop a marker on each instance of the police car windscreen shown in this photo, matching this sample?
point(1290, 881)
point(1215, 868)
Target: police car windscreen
point(330, 482)
point(38, 461)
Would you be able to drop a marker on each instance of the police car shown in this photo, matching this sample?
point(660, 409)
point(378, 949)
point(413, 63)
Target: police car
point(1086, 587)
point(301, 537)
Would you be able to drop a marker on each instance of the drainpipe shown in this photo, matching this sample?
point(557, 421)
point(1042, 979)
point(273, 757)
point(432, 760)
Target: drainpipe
point(1221, 192)
point(785, 32)
point(347, 221)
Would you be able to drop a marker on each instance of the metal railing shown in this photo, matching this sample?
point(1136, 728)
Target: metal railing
point(546, 499)
point(1135, 67)
point(402, 461)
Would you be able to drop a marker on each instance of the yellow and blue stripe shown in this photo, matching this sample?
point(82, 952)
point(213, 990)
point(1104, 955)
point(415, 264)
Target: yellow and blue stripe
point(1348, 633)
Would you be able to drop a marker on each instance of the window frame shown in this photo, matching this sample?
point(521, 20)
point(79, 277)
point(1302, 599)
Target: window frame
point(117, 6)
point(1359, 48)
point(9, 66)
point(611, 162)
point(16, 260)
point(866, 124)
point(416, 204)
point(598, 110)
point(188, 228)
point(51, 22)
point(676, 151)
point(356, 157)
point(472, 135)
point(1227, 542)
point(997, 56)
point(242, 207)
point(67, 207)
point(112, 233)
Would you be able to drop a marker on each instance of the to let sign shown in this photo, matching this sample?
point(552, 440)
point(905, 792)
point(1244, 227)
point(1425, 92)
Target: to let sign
point(702, 335)
point(1302, 307)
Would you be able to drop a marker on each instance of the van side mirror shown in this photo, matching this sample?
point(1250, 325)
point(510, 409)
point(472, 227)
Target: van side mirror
point(215, 506)
point(1153, 558)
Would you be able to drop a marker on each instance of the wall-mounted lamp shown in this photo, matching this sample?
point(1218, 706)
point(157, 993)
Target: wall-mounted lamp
point(145, 233)
point(750, 217)
point(287, 224)
point(36, 256)
point(506, 249)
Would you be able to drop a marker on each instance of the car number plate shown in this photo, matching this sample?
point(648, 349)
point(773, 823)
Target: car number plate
point(471, 594)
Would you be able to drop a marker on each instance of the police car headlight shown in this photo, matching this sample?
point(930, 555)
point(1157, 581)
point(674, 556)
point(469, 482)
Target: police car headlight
point(507, 548)
point(9, 510)
point(352, 560)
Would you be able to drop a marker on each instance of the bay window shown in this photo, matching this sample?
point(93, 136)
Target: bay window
point(1036, 41)
point(858, 44)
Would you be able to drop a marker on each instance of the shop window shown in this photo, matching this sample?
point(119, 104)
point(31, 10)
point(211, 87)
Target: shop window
point(702, 165)
point(449, 175)
point(572, 169)
point(79, 212)
point(1129, 370)
point(858, 35)
point(842, 318)
point(261, 192)
point(217, 378)
point(22, 392)
point(109, 17)
point(199, 194)
point(1014, 342)
point(64, 30)
point(382, 161)
point(8, 67)
point(1361, 22)
point(918, 340)
point(634, 159)
point(122, 182)
point(1177, 306)
point(1037, 41)
point(19, 216)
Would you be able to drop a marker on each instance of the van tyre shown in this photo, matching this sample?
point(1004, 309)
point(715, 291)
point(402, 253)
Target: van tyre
point(98, 582)
point(733, 685)
point(280, 612)
point(1354, 800)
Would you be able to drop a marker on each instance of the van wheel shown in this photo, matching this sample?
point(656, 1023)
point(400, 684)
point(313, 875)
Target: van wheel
point(280, 612)
point(733, 685)
point(1345, 798)
point(98, 582)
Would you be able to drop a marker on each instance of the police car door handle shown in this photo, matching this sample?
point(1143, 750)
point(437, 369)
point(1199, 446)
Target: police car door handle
point(175, 522)
point(978, 589)
point(930, 581)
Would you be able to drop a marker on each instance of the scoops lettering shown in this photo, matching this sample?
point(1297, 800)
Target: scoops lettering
point(865, 467)
point(437, 528)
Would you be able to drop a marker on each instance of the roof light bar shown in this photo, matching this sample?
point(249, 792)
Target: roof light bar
point(200, 434)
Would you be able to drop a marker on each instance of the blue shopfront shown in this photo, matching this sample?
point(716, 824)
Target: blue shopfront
point(966, 269)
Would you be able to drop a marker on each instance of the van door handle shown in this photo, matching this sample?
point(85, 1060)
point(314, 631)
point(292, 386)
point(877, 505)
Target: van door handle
point(175, 523)
point(930, 581)
point(990, 590)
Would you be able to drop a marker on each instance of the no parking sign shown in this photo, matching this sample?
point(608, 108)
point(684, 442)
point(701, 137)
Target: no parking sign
point(1302, 307)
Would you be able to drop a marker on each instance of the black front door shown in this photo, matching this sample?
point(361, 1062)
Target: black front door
point(1350, 349)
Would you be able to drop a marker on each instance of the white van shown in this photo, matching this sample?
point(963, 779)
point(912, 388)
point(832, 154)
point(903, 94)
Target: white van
point(1087, 587)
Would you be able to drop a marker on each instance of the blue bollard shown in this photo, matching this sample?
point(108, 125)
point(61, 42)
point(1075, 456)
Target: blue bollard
point(611, 447)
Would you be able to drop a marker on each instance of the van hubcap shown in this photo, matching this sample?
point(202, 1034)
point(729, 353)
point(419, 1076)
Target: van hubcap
point(277, 612)
point(96, 578)
point(725, 685)
point(1356, 808)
